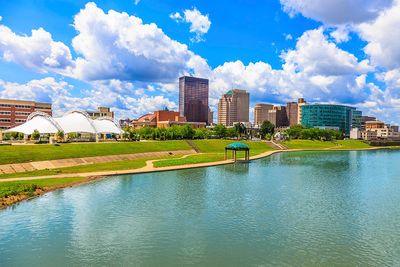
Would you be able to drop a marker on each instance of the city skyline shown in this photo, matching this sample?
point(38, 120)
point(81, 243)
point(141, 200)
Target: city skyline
point(277, 51)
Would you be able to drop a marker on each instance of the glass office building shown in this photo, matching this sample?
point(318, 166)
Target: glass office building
point(193, 99)
point(327, 116)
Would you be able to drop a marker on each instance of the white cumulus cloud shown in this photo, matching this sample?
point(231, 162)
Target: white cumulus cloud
point(38, 51)
point(199, 23)
point(336, 12)
point(383, 35)
point(115, 45)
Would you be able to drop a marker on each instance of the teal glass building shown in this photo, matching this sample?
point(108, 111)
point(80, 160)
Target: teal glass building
point(340, 117)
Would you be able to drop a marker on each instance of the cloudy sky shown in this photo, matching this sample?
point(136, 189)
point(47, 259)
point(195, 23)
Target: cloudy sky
point(128, 54)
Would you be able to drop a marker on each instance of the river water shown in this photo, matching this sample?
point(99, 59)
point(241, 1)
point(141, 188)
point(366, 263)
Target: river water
point(290, 209)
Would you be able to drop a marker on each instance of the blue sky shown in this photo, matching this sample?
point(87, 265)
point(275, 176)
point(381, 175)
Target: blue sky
point(128, 55)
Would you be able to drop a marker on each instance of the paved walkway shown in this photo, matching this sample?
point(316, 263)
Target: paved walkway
point(63, 163)
point(277, 146)
point(148, 168)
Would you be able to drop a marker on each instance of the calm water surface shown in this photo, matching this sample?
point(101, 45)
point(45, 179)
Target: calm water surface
point(291, 209)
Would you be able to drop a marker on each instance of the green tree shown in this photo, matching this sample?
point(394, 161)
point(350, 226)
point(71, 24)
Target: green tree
point(232, 132)
point(60, 135)
point(126, 133)
point(14, 135)
point(267, 128)
point(20, 136)
point(240, 129)
point(146, 132)
point(35, 135)
point(220, 130)
point(294, 132)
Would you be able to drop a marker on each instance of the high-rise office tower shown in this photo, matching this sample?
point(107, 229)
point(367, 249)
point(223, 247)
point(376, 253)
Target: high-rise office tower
point(234, 107)
point(300, 103)
point(193, 99)
point(261, 113)
point(292, 112)
point(278, 116)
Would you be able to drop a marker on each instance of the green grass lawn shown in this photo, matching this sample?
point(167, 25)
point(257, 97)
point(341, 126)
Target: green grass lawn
point(29, 187)
point(352, 144)
point(340, 144)
point(109, 166)
point(218, 146)
point(214, 150)
point(26, 153)
point(193, 159)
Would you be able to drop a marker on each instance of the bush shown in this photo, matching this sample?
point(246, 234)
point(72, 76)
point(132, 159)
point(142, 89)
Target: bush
point(298, 132)
point(35, 135)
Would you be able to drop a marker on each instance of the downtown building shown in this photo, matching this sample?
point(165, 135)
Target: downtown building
point(163, 119)
point(101, 112)
point(329, 116)
point(280, 116)
point(193, 99)
point(233, 107)
point(16, 112)
point(261, 113)
point(376, 130)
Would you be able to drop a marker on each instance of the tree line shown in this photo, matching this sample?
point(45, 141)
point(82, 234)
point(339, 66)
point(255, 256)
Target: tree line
point(219, 131)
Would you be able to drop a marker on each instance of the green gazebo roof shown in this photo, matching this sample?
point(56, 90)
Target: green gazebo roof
point(237, 146)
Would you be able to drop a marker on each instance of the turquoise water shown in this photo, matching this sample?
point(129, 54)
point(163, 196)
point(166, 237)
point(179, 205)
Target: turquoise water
point(291, 209)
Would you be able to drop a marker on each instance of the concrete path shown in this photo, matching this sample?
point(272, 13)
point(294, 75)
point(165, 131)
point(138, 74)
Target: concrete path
point(148, 168)
point(63, 163)
point(277, 146)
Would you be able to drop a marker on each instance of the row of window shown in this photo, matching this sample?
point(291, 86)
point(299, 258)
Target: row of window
point(23, 106)
point(9, 120)
point(22, 113)
point(16, 113)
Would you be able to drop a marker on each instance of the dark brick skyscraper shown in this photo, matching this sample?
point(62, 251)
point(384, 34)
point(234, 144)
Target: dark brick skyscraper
point(193, 99)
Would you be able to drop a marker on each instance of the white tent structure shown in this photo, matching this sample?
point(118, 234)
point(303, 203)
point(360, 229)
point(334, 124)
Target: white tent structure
point(76, 122)
point(73, 122)
point(37, 121)
point(106, 126)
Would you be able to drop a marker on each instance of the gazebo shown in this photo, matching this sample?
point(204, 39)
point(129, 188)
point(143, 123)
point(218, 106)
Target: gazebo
point(234, 147)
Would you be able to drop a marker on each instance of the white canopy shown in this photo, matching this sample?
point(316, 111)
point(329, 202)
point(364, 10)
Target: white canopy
point(41, 123)
point(106, 126)
point(73, 122)
point(76, 122)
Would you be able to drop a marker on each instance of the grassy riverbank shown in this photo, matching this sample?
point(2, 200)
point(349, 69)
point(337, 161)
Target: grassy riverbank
point(109, 166)
point(214, 150)
point(314, 144)
point(12, 192)
point(27, 153)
